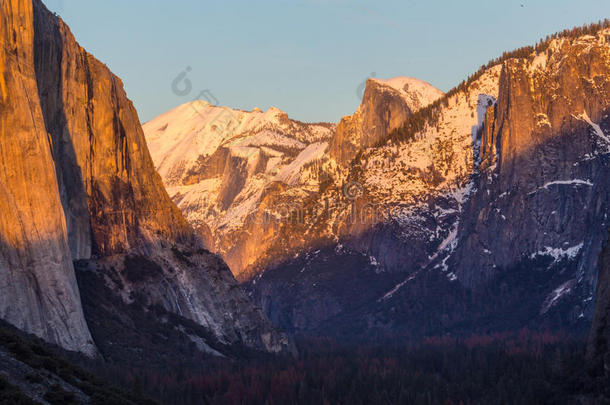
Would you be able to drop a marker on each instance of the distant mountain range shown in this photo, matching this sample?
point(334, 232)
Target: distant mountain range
point(237, 172)
point(481, 209)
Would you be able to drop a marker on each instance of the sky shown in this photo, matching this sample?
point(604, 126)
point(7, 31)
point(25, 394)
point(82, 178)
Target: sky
point(309, 58)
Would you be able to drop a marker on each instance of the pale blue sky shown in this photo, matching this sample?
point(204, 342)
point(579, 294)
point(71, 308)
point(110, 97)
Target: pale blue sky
point(306, 57)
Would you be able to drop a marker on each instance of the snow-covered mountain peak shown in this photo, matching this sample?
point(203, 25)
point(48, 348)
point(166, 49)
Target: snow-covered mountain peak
point(181, 139)
point(217, 161)
point(275, 116)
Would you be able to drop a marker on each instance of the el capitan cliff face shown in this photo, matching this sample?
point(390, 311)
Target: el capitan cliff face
point(113, 198)
point(39, 290)
point(79, 177)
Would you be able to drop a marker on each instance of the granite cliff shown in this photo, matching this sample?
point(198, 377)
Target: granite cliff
point(39, 290)
point(386, 105)
point(78, 184)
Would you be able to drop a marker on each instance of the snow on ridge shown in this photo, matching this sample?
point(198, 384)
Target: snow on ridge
point(564, 182)
point(555, 295)
point(397, 287)
point(453, 130)
point(179, 139)
point(559, 253)
point(596, 128)
point(540, 62)
point(462, 194)
point(245, 152)
point(269, 138)
point(289, 174)
point(449, 244)
point(572, 182)
point(399, 83)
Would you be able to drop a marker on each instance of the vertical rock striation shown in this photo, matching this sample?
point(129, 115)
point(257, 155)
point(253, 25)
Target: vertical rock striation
point(113, 198)
point(38, 290)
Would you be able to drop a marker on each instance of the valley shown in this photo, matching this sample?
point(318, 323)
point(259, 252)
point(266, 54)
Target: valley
point(431, 247)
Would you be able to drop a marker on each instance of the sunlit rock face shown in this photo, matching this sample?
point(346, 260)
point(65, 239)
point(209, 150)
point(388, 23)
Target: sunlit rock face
point(79, 183)
point(113, 199)
point(386, 105)
point(38, 288)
